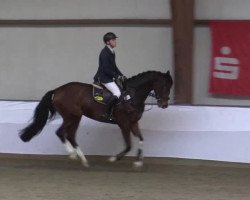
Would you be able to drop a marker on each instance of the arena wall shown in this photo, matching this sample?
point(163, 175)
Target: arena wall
point(193, 132)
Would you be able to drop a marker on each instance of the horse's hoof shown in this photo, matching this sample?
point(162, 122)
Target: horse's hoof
point(85, 164)
point(138, 164)
point(112, 159)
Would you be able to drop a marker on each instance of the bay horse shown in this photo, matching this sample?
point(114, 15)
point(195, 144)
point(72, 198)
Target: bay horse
point(75, 99)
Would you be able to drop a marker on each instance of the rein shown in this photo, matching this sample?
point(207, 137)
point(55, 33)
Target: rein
point(152, 95)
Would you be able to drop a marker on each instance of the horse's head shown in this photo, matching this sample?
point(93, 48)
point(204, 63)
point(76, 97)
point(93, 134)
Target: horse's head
point(162, 88)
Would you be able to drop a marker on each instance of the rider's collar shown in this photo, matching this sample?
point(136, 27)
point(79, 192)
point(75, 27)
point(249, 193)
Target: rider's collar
point(111, 49)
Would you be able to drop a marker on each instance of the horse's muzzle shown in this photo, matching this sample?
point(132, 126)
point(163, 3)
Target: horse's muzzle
point(165, 106)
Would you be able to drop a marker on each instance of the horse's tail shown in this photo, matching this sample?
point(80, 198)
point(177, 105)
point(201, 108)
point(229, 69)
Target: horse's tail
point(41, 115)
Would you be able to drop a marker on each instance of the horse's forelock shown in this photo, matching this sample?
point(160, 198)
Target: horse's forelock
point(169, 78)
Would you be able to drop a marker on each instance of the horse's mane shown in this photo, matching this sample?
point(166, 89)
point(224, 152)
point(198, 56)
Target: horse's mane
point(141, 78)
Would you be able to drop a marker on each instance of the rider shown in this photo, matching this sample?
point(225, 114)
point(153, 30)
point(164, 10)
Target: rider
point(108, 71)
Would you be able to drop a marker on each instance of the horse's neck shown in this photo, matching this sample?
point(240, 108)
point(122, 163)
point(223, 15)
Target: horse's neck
point(142, 85)
point(140, 94)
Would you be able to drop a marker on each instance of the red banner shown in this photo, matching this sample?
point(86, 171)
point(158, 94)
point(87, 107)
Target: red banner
point(230, 64)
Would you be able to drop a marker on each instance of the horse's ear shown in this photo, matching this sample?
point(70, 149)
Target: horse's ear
point(168, 73)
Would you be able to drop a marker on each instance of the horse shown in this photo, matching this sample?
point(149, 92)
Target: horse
point(75, 99)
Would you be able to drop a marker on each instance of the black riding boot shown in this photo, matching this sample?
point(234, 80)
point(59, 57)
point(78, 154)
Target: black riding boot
point(113, 100)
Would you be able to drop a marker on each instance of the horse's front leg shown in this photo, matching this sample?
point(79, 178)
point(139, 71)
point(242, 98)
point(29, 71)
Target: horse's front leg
point(137, 133)
point(127, 140)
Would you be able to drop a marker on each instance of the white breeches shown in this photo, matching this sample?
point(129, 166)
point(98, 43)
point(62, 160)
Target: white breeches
point(112, 87)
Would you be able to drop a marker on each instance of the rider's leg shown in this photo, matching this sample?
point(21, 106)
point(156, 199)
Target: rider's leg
point(114, 89)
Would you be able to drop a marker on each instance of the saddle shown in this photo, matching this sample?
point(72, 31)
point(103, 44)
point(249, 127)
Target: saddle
point(103, 95)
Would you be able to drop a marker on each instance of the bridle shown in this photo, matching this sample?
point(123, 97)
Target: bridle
point(152, 94)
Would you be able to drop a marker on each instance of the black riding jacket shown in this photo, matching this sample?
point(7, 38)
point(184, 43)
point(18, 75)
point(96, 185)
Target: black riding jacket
point(107, 70)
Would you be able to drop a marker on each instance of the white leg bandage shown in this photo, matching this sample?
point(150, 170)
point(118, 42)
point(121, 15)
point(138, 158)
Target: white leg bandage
point(82, 157)
point(70, 149)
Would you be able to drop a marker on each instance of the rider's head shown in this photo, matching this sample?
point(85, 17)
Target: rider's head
point(110, 39)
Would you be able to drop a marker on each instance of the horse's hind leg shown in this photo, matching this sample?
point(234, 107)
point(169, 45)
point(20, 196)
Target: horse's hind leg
point(127, 139)
point(137, 133)
point(71, 129)
point(61, 133)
